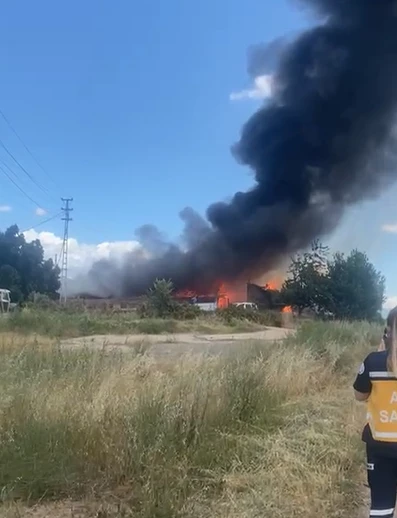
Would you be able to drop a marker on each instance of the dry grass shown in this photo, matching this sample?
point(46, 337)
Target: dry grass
point(71, 323)
point(270, 431)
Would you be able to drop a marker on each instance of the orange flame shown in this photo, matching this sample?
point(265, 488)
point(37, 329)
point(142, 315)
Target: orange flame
point(223, 301)
point(287, 309)
point(225, 296)
point(225, 293)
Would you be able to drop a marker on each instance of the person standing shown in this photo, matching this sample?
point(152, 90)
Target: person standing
point(376, 384)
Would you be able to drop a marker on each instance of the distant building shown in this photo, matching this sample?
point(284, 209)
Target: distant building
point(263, 297)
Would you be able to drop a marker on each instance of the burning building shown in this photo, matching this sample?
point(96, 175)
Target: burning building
point(323, 142)
point(265, 297)
point(221, 297)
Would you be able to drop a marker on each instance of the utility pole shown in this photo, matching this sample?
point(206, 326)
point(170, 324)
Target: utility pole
point(65, 248)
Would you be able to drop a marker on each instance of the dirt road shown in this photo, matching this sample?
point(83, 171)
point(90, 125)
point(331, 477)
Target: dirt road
point(175, 344)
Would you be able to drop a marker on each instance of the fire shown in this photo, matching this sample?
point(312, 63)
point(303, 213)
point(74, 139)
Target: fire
point(223, 301)
point(224, 294)
point(287, 309)
point(272, 281)
point(236, 292)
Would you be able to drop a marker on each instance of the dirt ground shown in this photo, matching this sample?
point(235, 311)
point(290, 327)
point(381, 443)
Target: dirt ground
point(175, 344)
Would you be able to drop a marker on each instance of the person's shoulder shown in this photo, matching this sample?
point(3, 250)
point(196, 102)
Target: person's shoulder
point(376, 355)
point(376, 359)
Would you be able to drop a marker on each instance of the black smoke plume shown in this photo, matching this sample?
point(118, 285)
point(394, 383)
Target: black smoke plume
point(324, 141)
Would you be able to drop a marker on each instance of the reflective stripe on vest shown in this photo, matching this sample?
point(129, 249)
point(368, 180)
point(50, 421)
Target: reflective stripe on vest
point(382, 406)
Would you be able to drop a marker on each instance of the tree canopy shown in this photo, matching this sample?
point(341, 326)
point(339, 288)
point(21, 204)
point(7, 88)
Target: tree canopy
point(346, 287)
point(23, 269)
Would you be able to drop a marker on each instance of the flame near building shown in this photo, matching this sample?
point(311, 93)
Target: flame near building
point(225, 294)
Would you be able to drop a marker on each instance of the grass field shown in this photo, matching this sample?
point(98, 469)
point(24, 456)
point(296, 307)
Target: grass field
point(75, 323)
point(271, 431)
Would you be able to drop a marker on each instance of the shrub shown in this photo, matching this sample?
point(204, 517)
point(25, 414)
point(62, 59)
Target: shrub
point(42, 301)
point(160, 303)
point(235, 313)
point(159, 299)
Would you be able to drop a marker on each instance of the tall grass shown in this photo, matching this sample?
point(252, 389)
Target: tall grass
point(268, 431)
point(85, 323)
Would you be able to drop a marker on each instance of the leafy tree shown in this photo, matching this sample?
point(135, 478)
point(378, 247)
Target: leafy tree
point(23, 269)
point(305, 287)
point(346, 287)
point(11, 280)
point(356, 289)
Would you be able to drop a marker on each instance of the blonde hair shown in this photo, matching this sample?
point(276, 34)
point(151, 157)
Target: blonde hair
point(392, 341)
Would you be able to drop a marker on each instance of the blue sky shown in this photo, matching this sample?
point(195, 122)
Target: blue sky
point(127, 106)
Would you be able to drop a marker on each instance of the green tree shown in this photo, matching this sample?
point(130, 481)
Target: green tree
point(305, 286)
point(347, 287)
point(160, 299)
point(11, 280)
point(356, 289)
point(23, 269)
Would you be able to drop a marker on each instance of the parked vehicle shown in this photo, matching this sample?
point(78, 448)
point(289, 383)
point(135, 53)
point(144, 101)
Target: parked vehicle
point(246, 305)
point(5, 300)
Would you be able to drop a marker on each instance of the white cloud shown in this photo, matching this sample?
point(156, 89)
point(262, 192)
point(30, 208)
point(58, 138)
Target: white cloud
point(81, 255)
point(391, 302)
point(262, 89)
point(391, 228)
point(5, 208)
point(40, 212)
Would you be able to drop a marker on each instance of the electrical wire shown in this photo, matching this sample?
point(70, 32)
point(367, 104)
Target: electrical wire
point(20, 188)
point(58, 257)
point(43, 189)
point(43, 222)
point(27, 149)
point(14, 174)
point(16, 180)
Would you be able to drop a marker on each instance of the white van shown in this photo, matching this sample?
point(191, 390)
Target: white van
point(246, 305)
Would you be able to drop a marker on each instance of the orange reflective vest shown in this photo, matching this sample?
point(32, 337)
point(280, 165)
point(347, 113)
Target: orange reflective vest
point(382, 406)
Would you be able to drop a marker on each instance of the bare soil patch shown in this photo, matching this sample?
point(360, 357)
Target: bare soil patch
point(176, 344)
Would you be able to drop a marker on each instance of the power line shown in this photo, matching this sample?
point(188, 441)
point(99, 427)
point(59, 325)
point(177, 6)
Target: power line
point(43, 222)
point(45, 191)
point(20, 188)
point(27, 149)
point(65, 247)
point(14, 174)
point(17, 178)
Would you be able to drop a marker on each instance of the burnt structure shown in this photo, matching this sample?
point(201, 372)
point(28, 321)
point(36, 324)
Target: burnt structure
point(264, 298)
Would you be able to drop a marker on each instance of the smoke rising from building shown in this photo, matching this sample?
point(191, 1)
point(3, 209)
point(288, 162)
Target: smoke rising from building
point(324, 141)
